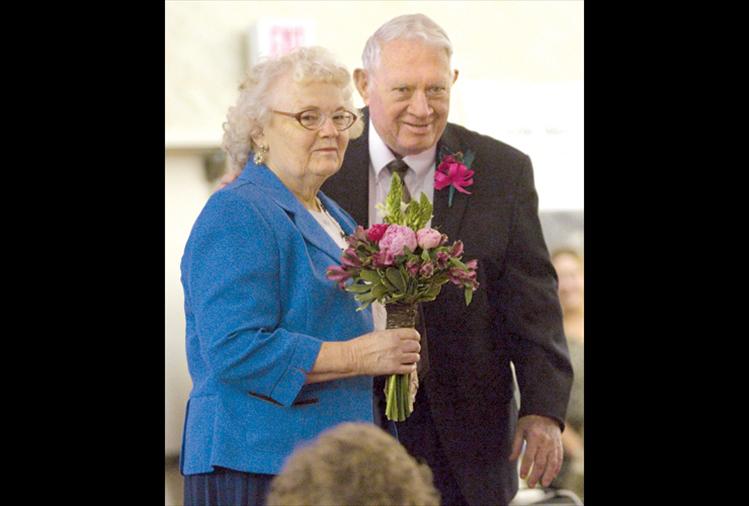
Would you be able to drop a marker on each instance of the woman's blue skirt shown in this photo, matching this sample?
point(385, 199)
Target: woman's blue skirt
point(226, 487)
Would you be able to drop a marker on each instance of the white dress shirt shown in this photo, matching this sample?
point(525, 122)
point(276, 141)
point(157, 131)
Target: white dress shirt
point(418, 179)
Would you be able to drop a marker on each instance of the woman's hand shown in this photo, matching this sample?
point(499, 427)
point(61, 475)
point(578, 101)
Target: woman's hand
point(383, 352)
point(393, 351)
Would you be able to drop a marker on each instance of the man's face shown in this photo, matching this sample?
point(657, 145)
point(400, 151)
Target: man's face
point(408, 94)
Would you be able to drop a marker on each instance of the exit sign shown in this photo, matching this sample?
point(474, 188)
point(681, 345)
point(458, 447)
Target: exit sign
point(277, 36)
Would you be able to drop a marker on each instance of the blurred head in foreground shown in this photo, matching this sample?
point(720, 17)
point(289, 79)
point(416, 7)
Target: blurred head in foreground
point(353, 463)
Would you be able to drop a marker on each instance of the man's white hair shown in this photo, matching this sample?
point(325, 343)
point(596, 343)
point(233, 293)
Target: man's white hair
point(409, 26)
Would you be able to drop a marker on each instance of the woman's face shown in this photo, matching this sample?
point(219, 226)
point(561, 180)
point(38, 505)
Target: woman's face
point(300, 157)
point(571, 281)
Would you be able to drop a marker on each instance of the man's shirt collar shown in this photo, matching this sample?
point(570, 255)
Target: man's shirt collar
point(380, 155)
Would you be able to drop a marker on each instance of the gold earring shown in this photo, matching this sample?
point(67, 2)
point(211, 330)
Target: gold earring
point(260, 154)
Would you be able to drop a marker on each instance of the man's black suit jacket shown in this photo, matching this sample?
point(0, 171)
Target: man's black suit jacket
point(514, 316)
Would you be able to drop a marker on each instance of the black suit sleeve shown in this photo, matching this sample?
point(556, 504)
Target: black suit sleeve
point(531, 317)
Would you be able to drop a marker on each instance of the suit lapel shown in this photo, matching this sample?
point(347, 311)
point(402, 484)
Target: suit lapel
point(350, 186)
point(447, 219)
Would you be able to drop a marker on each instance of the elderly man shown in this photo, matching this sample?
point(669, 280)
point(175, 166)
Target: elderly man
point(465, 422)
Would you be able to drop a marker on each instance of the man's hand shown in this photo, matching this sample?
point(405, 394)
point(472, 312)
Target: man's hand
point(226, 179)
point(543, 449)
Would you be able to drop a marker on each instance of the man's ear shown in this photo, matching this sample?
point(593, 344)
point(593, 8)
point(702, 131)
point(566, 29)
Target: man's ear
point(361, 80)
point(455, 75)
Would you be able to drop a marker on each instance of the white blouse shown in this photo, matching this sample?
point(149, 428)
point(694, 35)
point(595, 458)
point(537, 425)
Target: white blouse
point(331, 226)
point(334, 230)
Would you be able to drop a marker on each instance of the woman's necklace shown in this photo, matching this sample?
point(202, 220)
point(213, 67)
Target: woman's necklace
point(330, 218)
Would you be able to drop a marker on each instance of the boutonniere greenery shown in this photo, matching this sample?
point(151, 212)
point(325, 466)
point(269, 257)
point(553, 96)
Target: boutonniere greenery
point(454, 171)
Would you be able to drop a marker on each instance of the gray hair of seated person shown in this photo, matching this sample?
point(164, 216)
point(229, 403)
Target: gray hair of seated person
point(252, 111)
point(353, 464)
point(406, 27)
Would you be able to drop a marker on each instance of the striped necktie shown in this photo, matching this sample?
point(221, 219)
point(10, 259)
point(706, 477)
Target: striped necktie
point(401, 168)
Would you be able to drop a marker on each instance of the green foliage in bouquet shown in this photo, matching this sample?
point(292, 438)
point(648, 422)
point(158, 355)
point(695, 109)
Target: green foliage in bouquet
point(402, 261)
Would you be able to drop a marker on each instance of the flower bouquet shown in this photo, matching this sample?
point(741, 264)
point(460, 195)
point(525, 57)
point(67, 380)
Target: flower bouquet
point(401, 263)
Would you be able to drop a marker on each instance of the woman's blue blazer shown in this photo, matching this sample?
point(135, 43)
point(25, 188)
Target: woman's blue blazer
point(258, 307)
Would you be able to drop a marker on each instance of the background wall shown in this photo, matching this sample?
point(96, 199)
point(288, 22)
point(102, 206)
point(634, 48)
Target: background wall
point(521, 81)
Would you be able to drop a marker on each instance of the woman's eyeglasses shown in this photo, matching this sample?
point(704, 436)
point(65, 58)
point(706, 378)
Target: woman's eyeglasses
point(313, 119)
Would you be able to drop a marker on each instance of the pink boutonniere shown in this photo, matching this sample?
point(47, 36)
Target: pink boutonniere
point(454, 171)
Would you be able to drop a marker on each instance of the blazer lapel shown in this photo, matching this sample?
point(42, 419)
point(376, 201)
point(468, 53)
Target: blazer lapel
point(350, 186)
point(448, 219)
point(310, 229)
point(315, 235)
point(347, 224)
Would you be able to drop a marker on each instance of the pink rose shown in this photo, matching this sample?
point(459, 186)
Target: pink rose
point(397, 238)
point(428, 238)
point(383, 258)
point(375, 232)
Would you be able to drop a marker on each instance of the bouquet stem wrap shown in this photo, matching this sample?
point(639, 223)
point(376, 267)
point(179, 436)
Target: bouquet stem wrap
point(400, 389)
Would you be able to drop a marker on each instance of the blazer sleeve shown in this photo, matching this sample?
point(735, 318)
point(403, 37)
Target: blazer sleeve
point(231, 274)
point(533, 316)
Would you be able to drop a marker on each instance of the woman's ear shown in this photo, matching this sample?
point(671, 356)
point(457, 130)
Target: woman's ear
point(258, 139)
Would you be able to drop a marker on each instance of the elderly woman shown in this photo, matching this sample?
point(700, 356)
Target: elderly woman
point(276, 351)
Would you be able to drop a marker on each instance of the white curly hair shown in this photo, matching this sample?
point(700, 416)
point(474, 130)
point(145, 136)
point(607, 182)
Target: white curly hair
point(252, 111)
